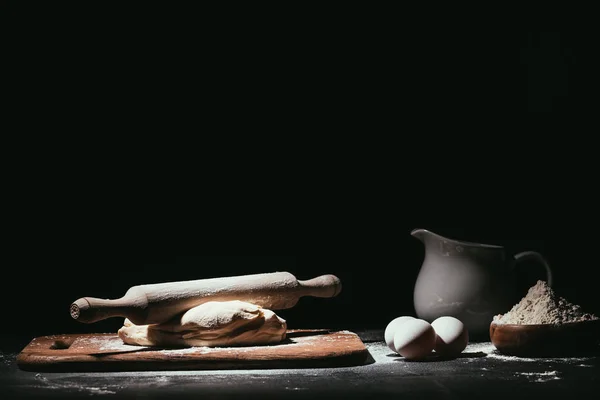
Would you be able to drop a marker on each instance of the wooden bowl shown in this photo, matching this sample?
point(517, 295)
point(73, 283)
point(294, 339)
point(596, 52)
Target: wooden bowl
point(564, 340)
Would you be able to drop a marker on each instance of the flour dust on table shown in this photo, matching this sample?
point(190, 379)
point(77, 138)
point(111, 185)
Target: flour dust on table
point(540, 377)
point(490, 351)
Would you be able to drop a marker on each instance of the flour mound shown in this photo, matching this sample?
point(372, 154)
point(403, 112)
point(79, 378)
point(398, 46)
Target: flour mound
point(541, 305)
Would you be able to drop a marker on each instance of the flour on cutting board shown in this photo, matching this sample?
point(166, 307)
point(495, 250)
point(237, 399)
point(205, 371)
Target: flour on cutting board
point(103, 343)
point(114, 343)
point(304, 341)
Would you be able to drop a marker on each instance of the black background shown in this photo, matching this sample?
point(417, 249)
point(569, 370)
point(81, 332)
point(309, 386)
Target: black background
point(377, 272)
point(138, 145)
point(94, 215)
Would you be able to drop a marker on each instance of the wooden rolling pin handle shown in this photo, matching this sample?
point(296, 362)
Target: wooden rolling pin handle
point(321, 286)
point(151, 304)
point(90, 309)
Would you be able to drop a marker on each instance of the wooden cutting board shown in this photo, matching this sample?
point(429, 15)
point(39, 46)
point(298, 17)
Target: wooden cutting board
point(106, 352)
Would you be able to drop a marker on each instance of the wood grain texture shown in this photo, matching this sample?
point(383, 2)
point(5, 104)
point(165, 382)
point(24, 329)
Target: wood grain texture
point(106, 352)
point(571, 339)
point(159, 302)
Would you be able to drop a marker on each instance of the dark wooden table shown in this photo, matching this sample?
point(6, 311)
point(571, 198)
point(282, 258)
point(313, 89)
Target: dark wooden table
point(480, 372)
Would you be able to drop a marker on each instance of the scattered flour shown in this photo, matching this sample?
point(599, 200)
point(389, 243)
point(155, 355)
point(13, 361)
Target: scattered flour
point(51, 384)
point(542, 306)
point(307, 340)
point(381, 353)
point(117, 344)
point(491, 352)
point(188, 350)
point(547, 373)
point(111, 343)
point(540, 376)
point(103, 343)
point(6, 360)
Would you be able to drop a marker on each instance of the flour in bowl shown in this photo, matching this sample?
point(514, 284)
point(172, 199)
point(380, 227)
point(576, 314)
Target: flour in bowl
point(541, 305)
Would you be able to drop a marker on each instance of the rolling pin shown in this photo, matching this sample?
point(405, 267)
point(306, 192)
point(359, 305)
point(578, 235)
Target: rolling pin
point(159, 302)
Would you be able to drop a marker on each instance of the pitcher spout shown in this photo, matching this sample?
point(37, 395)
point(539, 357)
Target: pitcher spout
point(420, 234)
point(426, 236)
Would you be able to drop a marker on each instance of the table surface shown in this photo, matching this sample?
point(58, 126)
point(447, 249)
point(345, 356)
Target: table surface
point(479, 371)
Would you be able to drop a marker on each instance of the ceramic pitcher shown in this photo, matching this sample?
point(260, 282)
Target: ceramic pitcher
point(469, 281)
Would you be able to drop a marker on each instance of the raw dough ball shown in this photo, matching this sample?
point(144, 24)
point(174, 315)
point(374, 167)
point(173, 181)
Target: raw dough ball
point(452, 336)
point(226, 323)
point(414, 339)
point(391, 329)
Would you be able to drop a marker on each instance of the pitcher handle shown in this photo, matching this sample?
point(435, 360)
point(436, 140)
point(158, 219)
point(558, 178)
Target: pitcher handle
point(533, 255)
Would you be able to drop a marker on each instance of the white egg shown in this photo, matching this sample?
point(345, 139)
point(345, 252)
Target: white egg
point(452, 336)
point(391, 329)
point(414, 339)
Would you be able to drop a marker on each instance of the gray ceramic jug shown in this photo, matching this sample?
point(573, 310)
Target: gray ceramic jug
point(469, 281)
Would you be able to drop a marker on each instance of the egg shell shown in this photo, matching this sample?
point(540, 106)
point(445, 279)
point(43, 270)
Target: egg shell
point(452, 336)
point(391, 329)
point(415, 339)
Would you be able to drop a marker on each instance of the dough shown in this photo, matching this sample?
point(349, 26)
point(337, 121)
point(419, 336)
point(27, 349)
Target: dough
point(215, 323)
